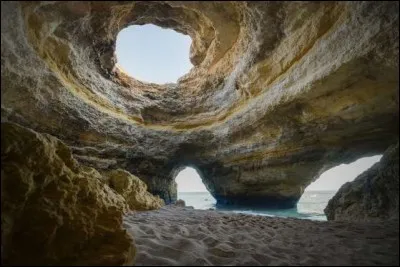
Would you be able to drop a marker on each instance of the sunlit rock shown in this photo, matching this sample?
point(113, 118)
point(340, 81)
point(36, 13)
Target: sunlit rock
point(133, 190)
point(279, 91)
point(54, 211)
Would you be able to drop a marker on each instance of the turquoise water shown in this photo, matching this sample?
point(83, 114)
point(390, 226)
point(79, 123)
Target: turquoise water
point(310, 206)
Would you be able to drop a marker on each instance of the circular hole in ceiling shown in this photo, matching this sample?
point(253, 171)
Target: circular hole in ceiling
point(152, 54)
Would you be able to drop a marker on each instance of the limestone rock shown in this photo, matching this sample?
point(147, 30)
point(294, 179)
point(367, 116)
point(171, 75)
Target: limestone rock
point(180, 203)
point(133, 190)
point(54, 211)
point(373, 195)
point(279, 91)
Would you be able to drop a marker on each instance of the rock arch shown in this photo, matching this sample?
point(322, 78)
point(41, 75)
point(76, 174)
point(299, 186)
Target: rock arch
point(321, 88)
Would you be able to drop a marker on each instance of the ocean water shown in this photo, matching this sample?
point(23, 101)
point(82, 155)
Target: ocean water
point(310, 206)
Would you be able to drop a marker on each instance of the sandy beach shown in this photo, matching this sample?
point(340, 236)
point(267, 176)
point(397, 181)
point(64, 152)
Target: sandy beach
point(184, 236)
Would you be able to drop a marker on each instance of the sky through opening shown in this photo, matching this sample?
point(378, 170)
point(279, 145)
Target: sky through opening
point(152, 54)
point(334, 178)
point(188, 179)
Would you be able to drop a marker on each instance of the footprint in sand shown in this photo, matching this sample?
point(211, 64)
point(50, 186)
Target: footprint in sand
point(201, 262)
point(222, 250)
point(210, 241)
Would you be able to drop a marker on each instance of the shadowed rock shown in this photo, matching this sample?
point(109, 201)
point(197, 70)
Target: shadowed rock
point(373, 195)
point(180, 203)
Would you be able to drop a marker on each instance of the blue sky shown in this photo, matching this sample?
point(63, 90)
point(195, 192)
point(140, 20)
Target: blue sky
point(153, 54)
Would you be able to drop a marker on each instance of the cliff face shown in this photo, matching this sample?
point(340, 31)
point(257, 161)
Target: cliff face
point(133, 190)
point(373, 195)
point(279, 91)
point(55, 211)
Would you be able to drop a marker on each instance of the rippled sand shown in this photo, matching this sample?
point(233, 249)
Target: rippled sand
point(184, 236)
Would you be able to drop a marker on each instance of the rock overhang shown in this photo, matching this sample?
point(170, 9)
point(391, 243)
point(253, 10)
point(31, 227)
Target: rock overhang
point(278, 92)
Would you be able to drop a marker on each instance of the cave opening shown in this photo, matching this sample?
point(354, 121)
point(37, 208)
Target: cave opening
point(192, 190)
point(152, 54)
point(316, 196)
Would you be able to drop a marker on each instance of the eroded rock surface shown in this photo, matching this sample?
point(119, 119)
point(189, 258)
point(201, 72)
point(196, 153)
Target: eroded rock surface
point(372, 196)
point(279, 92)
point(133, 190)
point(54, 211)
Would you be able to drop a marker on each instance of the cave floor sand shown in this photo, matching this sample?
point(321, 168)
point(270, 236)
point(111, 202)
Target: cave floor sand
point(183, 236)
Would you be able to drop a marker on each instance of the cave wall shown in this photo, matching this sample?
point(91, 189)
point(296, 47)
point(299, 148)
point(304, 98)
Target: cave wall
point(372, 196)
point(279, 92)
point(55, 211)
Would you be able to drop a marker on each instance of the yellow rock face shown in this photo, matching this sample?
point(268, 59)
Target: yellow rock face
point(53, 211)
point(279, 91)
point(133, 190)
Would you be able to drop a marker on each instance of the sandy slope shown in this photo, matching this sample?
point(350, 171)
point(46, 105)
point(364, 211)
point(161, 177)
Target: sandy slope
point(184, 236)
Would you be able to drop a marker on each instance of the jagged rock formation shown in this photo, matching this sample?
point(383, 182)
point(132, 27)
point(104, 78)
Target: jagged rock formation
point(133, 190)
point(54, 211)
point(373, 195)
point(279, 92)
